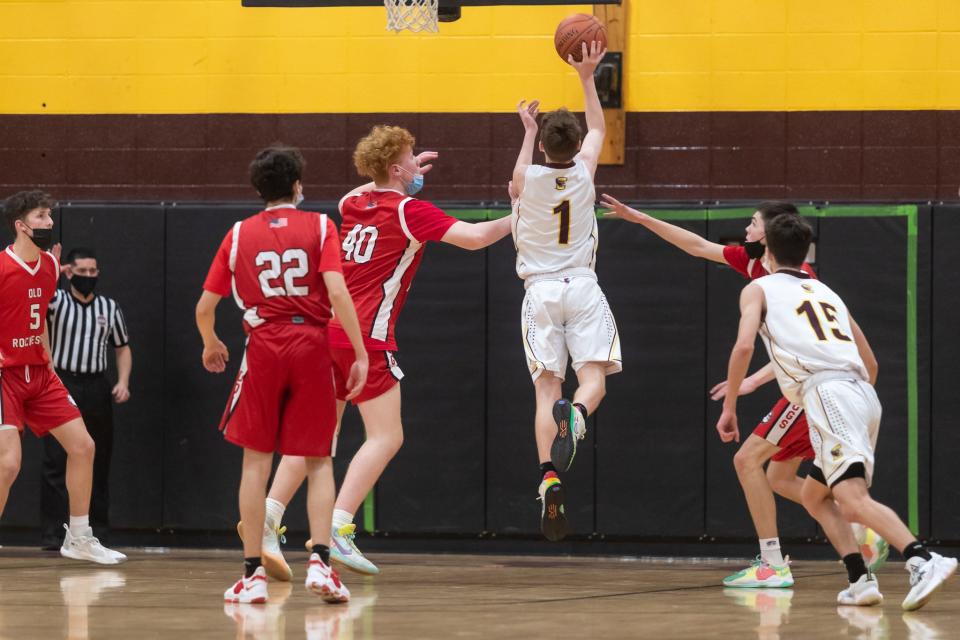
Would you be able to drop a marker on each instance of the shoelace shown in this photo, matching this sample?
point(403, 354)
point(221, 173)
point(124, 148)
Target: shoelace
point(916, 574)
point(280, 536)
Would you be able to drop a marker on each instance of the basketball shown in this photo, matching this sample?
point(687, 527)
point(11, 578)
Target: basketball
point(577, 29)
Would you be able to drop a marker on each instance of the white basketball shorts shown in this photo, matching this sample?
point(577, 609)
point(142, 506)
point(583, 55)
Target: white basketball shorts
point(566, 317)
point(844, 419)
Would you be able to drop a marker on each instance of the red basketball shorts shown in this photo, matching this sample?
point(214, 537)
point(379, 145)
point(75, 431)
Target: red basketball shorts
point(283, 398)
point(383, 374)
point(34, 396)
point(786, 427)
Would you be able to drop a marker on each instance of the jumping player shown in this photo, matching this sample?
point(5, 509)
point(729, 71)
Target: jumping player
point(30, 392)
point(383, 234)
point(824, 363)
point(782, 437)
point(565, 314)
point(283, 268)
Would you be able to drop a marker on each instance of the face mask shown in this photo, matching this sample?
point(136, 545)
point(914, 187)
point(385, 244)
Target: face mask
point(43, 238)
point(297, 199)
point(414, 186)
point(84, 284)
point(754, 249)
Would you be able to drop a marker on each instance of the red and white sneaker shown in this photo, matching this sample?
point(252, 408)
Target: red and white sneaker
point(324, 582)
point(252, 590)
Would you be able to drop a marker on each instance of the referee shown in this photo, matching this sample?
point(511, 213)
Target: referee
point(81, 323)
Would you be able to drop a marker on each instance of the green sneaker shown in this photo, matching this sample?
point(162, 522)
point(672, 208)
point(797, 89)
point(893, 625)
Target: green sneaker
point(761, 575)
point(344, 551)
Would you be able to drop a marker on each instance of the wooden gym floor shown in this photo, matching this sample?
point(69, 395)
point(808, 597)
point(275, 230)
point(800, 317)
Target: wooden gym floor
point(178, 595)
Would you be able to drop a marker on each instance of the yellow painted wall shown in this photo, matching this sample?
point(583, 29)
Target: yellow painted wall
point(195, 56)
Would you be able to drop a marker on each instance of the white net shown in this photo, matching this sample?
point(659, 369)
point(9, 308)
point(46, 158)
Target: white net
point(412, 15)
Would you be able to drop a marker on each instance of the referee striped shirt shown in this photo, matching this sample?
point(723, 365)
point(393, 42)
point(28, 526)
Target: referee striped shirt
point(79, 332)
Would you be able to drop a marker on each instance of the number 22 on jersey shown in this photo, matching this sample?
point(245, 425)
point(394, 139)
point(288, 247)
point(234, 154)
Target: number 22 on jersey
point(829, 313)
point(292, 264)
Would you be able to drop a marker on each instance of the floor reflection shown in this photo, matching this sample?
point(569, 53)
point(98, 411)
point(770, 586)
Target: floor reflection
point(921, 627)
point(773, 605)
point(79, 591)
point(865, 623)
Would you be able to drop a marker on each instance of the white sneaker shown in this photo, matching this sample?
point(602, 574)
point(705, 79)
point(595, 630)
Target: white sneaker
point(344, 550)
point(270, 553)
point(252, 590)
point(87, 547)
point(865, 592)
point(324, 582)
point(926, 576)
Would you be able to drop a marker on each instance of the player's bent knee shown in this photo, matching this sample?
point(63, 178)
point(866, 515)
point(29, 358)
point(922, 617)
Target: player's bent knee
point(82, 448)
point(9, 468)
point(744, 461)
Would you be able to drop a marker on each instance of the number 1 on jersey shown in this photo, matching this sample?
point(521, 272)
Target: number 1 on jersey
point(829, 312)
point(563, 210)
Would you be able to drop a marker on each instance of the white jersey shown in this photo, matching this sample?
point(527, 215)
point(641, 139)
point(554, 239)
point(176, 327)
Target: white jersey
point(806, 330)
point(554, 221)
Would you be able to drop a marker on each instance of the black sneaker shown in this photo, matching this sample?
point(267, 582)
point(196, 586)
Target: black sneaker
point(553, 519)
point(571, 427)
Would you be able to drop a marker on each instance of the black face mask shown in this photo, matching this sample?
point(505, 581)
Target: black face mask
point(43, 238)
point(754, 249)
point(84, 284)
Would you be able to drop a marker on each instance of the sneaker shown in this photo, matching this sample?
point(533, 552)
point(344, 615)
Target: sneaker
point(252, 590)
point(926, 576)
point(553, 519)
point(344, 551)
point(571, 427)
point(87, 547)
point(324, 582)
point(873, 548)
point(761, 575)
point(865, 592)
point(270, 553)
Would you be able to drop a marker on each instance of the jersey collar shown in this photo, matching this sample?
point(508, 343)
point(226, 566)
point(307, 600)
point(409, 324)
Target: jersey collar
point(796, 273)
point(560, 165)
point(32, 271)
point(280, 206)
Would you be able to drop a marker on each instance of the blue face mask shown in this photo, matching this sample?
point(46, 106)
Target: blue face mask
point(414, 186)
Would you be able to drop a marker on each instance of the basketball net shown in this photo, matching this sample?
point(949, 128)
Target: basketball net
point(412, 15)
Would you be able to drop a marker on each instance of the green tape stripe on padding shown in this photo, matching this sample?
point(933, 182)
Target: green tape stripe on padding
point(909, 212)
point(368, 513)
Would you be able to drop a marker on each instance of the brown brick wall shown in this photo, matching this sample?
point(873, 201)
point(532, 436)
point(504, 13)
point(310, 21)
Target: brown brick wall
point(840, 155)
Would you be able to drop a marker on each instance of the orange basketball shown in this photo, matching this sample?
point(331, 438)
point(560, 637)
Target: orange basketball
point(576, 29)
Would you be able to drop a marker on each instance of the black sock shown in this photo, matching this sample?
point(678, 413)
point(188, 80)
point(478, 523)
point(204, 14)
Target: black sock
point(546, 467)
point(323, 551)
point(250, 565)
point(855, 566)
point(583, 409)
point(915, 549)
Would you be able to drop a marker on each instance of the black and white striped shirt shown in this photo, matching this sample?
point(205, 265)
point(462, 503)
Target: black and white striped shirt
point(79, 332)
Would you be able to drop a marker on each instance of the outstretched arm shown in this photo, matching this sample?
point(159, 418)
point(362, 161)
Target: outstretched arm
point(596, 127)
point(681, 238)
point(751, 312)
point(476, 236)
point(751, 383)
point(528, 116)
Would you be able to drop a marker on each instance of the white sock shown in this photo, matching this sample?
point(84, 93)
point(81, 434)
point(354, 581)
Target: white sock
point(341, 517)
point(80, 525)
point(274, 515)
point(770, 551)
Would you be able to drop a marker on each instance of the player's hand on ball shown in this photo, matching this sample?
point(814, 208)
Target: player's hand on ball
point(424, 158)
point(215, 357)
point(589, 59)
point(727, 427)
point(528, 114)
point(358, 377)
point(620, 210)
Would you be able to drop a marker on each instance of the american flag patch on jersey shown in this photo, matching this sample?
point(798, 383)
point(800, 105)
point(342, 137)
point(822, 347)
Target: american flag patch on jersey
point(278, 223)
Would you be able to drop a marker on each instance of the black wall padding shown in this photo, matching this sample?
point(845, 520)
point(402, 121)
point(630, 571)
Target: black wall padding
point(726, 509)
point(201, 470)
point(924, 362)
point(435, 482)
point(870, 277)
point(650, 443)
point(945, 439)
point(131, 260)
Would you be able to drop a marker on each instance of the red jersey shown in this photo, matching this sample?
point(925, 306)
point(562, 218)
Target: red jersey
point(25, 293)
point(736, 256)
point(382, 235)
point(272, 263)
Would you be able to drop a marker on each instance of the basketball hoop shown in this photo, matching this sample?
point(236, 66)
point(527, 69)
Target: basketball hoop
point(412, 15)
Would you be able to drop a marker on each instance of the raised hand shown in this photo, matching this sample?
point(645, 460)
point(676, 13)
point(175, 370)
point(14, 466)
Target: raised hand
point(424, 158)
point(620, 210)
point(528, 114)
point(588, 59)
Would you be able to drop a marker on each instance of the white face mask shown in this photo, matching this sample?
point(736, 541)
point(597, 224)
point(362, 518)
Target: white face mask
point(297, 199)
